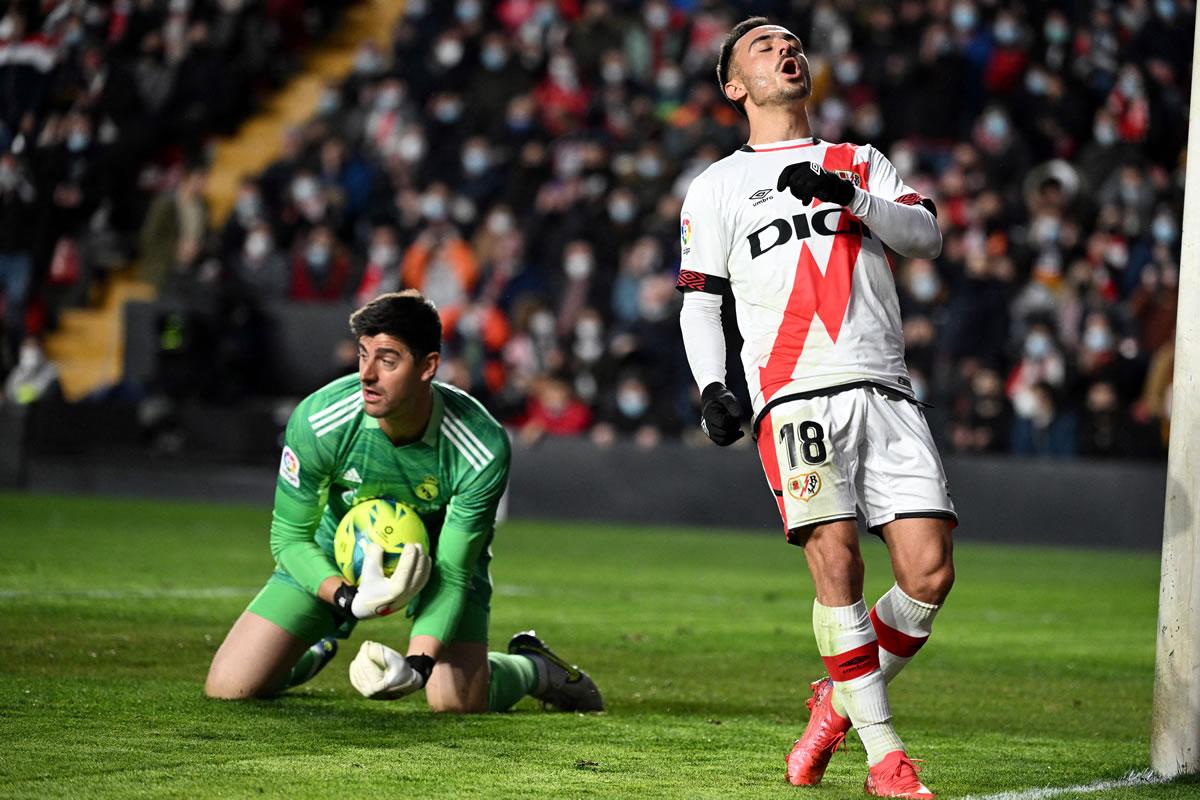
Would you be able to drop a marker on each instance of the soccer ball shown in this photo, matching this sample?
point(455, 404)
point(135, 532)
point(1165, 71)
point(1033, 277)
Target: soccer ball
point(383, 520)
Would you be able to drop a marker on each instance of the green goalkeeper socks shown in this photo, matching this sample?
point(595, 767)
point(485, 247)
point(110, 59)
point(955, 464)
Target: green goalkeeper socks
point(513, 677)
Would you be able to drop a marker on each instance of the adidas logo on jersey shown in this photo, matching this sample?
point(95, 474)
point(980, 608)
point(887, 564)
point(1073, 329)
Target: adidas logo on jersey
point(351, 476)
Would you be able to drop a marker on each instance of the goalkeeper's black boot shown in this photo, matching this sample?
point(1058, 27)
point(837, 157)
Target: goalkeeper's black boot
point(560, 684)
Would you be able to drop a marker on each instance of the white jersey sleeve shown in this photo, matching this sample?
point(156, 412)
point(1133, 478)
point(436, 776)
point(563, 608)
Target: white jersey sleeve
point(703, 245)
point(898, 214)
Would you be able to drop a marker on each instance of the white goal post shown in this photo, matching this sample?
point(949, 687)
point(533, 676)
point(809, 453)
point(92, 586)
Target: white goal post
point(1175, 729)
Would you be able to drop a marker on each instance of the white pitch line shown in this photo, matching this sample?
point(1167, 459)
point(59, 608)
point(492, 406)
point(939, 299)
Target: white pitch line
point(1146, 777)
point(146, 594)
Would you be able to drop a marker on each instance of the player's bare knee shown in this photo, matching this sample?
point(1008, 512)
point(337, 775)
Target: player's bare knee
point(930, 587)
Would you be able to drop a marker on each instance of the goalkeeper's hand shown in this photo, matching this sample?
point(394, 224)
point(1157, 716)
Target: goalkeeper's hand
point(720, 414)
point(809, 179)
point(381, 673)
point(378, 595)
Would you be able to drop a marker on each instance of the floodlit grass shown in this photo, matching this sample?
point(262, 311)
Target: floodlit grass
point(1039, 672)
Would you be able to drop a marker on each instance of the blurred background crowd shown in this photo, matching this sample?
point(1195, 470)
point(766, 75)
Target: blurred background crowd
point(523, 164)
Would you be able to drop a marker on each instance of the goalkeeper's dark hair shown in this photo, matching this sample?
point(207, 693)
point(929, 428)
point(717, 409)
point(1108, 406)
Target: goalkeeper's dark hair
point(407, 316)
point(739, 30)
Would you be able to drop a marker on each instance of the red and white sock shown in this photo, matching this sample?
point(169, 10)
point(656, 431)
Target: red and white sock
point(848, 646)
point(902, 625)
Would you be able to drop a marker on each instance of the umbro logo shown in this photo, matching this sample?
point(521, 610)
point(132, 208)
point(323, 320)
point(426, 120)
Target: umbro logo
point(351, 475)
point(760, 194)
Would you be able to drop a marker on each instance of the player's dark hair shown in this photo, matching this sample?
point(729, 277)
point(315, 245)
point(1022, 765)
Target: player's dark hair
point(407, 316)
point(739, 30)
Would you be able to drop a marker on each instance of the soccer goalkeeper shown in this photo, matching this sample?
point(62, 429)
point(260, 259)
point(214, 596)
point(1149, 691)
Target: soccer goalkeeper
point(391, 430)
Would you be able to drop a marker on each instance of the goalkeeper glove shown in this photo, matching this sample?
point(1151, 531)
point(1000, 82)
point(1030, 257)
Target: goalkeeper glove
point(378, 595)
point(381, 673)
point(809, 179)
point(720, 414)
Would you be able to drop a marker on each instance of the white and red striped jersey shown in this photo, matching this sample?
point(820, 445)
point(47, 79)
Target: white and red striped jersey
point(814, 293)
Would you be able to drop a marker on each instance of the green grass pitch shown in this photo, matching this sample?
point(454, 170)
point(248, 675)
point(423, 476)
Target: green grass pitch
point(1039, 673)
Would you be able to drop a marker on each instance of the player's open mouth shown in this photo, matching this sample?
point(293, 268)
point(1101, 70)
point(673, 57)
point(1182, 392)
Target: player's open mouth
point(789, 66)
point(371, 396)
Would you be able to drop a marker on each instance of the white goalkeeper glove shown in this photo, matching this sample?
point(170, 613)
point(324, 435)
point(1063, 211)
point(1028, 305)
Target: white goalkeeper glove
point(378, 595)
point(381, 673)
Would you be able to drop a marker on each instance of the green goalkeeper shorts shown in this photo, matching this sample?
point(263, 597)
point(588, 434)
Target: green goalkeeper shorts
point(284, 602)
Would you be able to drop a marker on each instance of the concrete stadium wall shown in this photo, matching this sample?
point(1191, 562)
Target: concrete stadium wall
point(84, 449)
point(1110, 504)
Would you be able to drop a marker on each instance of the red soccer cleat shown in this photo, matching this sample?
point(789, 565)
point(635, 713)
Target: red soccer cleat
point(896, 776)
point(824, 734)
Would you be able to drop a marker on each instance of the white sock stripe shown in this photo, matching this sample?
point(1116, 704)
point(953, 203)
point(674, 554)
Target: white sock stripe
point(458, 423)
point(450, 434)
point(333, 424)
point(843, 628)
point(900, 612)
point(332, 410)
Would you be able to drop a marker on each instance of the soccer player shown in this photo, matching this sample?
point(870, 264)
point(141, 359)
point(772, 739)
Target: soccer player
point(795, 228)
point(391, 430)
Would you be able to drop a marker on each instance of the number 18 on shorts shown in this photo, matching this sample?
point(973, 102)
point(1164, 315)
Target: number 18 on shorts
point(826, 455)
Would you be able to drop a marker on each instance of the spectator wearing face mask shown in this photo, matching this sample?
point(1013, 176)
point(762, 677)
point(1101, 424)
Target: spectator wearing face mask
point(1042, 427)
point(381, 273)
point(1041, 362)
point(320, 268)
point(17, 196)
point(631, 410)
point(260, 269)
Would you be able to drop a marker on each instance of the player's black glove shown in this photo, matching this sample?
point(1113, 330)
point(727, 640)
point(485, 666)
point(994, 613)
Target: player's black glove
point(809, 179)
point(720, 415)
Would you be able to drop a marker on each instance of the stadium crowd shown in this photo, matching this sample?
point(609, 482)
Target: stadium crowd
point(523, 163)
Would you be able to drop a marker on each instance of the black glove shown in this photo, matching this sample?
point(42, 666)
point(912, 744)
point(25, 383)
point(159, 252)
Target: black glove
point(809, 179)
point(720, 415)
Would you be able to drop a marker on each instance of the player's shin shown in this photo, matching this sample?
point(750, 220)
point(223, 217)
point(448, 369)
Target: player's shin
point(512, 677)
point(902, 626)
point(848, 646)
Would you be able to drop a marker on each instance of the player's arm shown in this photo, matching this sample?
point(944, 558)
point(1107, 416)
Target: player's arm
point(470, 520)
point(901, 218)
point(704, 280)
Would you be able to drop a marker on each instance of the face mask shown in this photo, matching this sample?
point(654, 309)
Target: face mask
point(657, 17)
point(1165, 9)
point(1037, 345)
point(330, 101)
point(493, 58)
point(500, 224)
point(1129, 86)
point(621, 212)
point(468, 11)
point(448, 52)
point(1105, 134)
point(415, 9)
point(1097, 340)
point(318, 255)
point(8, 178)
point(847, 72)
point(248, 208)
point(632, 403)
point(649, 167)
point(7, 28)
point(1005, 32)
point(669, 82)
point(1046, 230)
point(613, 72)
point(1163, 230)
point(587, 329)
point(433, 207)
point(1056, 32)
point(995, 126)
point(30, 356)
point(78, 142)
point(257, 245)
point(388, 100)
point(578, 266)
point(410, 148)
point(367, 62)
point(925, 287)
point(542, 323)
point(304, 190)
point(870, 125)
point(963, 17)
point(1035, 83)
point(475, 162)
point(562, 72)
point(448, 112)
point(383, 254)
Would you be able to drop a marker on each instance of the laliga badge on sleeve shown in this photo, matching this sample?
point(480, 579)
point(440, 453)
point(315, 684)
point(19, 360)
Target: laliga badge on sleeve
point(289, 467)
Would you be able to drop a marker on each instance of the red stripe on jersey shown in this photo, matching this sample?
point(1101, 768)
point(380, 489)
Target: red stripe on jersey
point(896, 642)
point(770, 463)
point(813, 293)
point(853, 663)
point(910, 199)
point(777, 149)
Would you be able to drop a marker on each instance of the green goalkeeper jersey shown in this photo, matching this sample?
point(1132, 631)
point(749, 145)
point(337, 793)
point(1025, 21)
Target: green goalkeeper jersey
point(335, 455)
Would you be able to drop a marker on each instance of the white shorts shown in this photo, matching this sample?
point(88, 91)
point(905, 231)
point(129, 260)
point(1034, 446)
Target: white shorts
point(825, 456)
